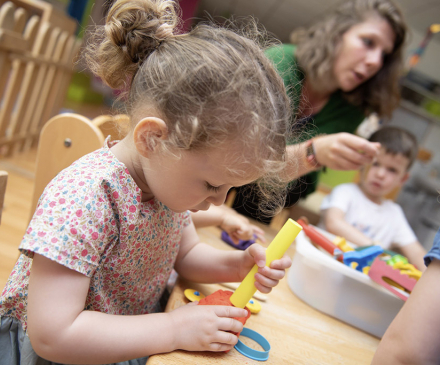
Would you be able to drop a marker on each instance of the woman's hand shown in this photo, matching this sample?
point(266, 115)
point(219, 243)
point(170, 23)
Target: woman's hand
point(206, 327)
point(267, 277)
point(344, 151)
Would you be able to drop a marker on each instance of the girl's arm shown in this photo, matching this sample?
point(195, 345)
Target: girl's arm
point(61, 330)
point(200, 262)
point(414, 337)
point(334, 220)
point(237, 226)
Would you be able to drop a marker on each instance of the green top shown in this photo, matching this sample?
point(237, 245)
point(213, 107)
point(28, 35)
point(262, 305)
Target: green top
point(338, 115)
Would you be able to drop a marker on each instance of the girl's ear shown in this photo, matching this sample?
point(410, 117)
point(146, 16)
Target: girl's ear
point(147, 134)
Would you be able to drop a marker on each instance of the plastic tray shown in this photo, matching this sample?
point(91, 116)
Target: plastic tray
point(340, 291)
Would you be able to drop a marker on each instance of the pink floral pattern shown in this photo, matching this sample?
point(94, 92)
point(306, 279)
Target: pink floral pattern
point(90, 219)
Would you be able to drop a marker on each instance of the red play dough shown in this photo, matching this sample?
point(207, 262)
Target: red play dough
point(221, 297)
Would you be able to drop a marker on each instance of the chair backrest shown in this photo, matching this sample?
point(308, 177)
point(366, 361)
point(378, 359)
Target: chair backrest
point(67, 137)
point(3, 181)
point(63, 139)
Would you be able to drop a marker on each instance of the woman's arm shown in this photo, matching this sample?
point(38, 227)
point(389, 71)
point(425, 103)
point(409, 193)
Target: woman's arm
point(334, 221)
point(61, 330)
point(414, 337)
point(339, 151)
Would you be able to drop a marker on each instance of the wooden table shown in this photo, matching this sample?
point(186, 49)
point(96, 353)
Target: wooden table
point(297, 333)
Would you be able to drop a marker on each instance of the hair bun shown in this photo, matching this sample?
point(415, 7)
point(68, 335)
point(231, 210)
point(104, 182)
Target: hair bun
point(139, 26)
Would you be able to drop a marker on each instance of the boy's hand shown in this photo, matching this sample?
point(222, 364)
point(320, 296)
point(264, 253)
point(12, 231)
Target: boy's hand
point(206, 327)
point(239, 228)
point(267, 277)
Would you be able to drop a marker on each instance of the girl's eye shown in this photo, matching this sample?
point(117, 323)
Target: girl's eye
point(215, 189)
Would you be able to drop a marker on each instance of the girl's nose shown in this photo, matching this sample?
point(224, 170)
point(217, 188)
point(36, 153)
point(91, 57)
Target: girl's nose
point(217, 198)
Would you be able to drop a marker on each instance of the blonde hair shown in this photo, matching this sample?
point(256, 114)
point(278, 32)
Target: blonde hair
point(210, 85)
point(319, 44)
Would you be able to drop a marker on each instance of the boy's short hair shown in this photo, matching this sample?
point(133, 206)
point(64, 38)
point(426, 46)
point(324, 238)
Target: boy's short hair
point(396, 141)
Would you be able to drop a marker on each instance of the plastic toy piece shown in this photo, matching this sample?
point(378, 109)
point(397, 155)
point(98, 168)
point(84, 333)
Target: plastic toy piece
point(276, 250)
point(317, 238)
point(362, 258)
point(242, 245)
point(254, 306)
point(342, 244)
point(397, 258)
point(193, 295)
point(408, 269)
point(249, 352)
point(380, 270)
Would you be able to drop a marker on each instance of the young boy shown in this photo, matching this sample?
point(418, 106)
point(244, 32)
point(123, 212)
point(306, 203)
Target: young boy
point(361, 214)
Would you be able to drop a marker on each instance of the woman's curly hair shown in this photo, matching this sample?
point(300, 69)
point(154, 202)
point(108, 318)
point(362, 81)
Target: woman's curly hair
point(317, 48)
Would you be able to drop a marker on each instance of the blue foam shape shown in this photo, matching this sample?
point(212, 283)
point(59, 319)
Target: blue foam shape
point(249, 352)
point(363, 257)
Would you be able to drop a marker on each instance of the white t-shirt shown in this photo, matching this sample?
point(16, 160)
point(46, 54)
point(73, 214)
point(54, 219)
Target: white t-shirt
point(383, 222)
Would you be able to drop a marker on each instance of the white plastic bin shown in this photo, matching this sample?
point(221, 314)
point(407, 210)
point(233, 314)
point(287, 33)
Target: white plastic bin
point(340, 291)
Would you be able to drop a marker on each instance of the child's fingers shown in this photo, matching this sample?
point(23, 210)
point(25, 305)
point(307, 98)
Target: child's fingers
point(266, 281)
point(259, 254)
point(259, 233)
point(284, 263)
point(231, 312)
point(271, 273)
point(220, 347)
point(230, 324)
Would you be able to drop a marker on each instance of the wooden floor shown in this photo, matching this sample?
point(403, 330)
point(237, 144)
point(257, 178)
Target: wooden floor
point(16, 212)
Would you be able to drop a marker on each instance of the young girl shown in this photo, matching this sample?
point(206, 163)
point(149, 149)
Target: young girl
point(209, 112)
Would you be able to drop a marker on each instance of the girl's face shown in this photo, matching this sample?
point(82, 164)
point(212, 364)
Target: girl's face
point(362, 51)
point(196, 180)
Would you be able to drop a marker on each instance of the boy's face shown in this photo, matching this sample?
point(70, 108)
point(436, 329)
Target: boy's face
point(387, 172)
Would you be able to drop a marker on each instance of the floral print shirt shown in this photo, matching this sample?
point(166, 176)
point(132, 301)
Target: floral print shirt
point(90, 218)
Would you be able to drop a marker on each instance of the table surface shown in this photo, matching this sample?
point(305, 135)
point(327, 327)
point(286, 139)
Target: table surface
point(297, 333)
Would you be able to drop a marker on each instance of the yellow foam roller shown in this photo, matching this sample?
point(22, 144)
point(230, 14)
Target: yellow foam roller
point(275, 251)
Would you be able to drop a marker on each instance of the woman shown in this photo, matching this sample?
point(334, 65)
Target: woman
point(341, 70)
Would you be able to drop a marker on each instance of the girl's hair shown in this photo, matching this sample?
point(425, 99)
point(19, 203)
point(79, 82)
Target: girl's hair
point(318, 47)
point(210, 86)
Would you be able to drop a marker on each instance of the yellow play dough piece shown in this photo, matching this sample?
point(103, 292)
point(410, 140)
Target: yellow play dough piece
point(193, 295)
point(254, 306)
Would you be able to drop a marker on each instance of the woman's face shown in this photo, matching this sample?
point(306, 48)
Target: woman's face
point(362, 51)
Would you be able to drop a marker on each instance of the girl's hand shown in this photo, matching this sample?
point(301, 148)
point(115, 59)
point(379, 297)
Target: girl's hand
point(239, 228)
point(344, 151)
point(206, 327)
point(267, 277)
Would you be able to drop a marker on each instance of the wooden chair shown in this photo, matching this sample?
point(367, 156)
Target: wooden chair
point(67, 137)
